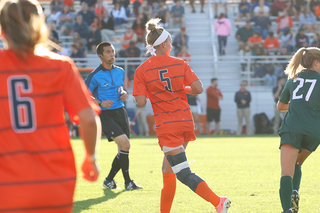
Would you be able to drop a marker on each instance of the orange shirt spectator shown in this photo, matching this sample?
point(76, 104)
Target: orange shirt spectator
point(271, 43)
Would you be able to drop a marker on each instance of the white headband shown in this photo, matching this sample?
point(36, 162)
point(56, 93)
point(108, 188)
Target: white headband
point(164, 35)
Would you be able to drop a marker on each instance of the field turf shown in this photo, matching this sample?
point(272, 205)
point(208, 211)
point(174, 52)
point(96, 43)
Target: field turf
point(245, 169)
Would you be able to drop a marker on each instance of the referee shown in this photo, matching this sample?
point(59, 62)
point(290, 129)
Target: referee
point(106, 85)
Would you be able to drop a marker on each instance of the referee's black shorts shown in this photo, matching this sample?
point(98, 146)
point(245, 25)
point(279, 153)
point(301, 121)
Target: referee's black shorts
point(114, 123)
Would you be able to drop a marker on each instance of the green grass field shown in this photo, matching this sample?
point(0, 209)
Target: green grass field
point(245, 169)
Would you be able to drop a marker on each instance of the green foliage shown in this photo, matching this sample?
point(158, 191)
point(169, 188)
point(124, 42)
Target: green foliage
point(245, 169)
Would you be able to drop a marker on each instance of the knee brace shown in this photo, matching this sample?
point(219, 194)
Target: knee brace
point(180, 167)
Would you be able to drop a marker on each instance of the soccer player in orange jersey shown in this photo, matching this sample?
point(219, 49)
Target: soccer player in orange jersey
point(165, 80)
point(37, 168)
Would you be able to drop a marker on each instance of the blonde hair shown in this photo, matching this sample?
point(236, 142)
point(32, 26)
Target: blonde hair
point(153, 30)
point(22, 25)
point(302, 59)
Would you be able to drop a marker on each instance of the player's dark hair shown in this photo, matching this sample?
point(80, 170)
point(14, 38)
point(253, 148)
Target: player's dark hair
point(101, 46)
point(153, 30)
point(213, 79)
point(302, 59)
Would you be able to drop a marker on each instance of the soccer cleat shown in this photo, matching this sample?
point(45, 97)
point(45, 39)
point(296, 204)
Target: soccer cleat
point(224, 205)
point(110, 184)
point(288, 211)
point(132, 186)
point(295, 201)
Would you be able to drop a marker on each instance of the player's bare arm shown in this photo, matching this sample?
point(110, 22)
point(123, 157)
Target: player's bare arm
point(141, 100)
point(282, 106)
point(195, 88)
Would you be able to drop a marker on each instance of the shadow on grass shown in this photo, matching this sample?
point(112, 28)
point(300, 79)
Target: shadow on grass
point(79, 206)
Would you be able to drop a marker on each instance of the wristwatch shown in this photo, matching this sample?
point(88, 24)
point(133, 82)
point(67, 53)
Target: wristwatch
point(100, 103)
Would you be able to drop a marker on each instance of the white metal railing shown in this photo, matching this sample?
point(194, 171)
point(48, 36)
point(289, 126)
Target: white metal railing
point(213, 37)
point(222, 65)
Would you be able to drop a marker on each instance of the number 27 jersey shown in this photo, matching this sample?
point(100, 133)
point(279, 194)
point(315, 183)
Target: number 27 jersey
point(303, 115)
point(162, 79)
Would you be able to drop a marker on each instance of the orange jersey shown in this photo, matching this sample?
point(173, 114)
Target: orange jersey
point(255, 40)
point(37, 169)
point(162, 79)
point(271, 43)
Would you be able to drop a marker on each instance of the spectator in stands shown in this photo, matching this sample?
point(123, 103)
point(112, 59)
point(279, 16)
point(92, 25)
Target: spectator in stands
point(214, 95)
point(277, 6)
point(53, 36)
point(244, 10)
point(308, 20)
point(81, 27)
point(177, 14)
point(291, 9)
point(299, 5)
point(222, 27)
point(255, 40)
point(107, 27)
point(76, 53)
point(78, 39)
point(98, 10)
point(270, 74)
point(315, 7)
point(192, 6)
point(262, 24)
point(55, 8)
point(243, 58)
point(132, 52)
point(286, 40)
point(302, 39)
point(125, 39)
point(192, 101)
point(69, 3)
point(119, 15)
point(136, 6)
point(94, 38)
point(184, 54)
point(124, 4)
point(316, 40)
point(163, 13)
point(87, 15)
point(141, 114)
point(262, 6)
point(216, 5)
point(276, 95)
point(271, 44)
point(65, 20)
point(243, 34)
point(179, 40)
point(146, 11)
point(284, 21)
point(243, 99)
point(90, 4)
point(140, 29)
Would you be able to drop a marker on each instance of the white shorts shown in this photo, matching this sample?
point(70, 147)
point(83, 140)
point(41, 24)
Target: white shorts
point(166, 149)
point(194, 108)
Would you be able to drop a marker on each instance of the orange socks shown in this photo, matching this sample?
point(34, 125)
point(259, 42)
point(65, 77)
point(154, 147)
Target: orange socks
point(206, 193)
point(167, 192)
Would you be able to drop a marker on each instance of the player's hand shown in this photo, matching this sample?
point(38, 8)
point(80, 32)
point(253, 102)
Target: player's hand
point(90, 169)
point(106, 104)
point(243, 101)
point(124, 95)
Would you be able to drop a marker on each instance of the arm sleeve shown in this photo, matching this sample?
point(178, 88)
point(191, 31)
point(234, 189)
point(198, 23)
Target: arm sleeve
point(76, 96)
point(285, 94)
point(249, 97)
point(189, 75)
point(139, 83)
point(91, 84)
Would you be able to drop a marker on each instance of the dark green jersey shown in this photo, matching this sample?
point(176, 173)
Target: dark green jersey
point(303, 115)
